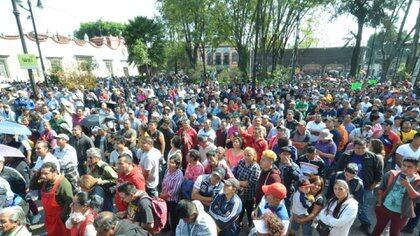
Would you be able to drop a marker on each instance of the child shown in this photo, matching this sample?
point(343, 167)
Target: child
point(301, 202)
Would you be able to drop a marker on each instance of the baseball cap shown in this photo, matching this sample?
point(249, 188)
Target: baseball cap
point(232, 182)
point(55, 112)
point(277, 189)
point(286, 149)
point(63, 136)
point(302, 122)
point(219, 171)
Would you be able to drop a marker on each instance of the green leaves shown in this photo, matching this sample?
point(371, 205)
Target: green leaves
point(99, 28)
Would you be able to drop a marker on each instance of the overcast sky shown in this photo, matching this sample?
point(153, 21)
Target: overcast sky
point(64, 16)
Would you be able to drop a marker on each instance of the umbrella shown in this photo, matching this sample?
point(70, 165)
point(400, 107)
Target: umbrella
point(96, 120)
point(8, 127)
point(8, 151)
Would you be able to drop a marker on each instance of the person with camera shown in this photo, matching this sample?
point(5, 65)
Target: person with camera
point(396, 197)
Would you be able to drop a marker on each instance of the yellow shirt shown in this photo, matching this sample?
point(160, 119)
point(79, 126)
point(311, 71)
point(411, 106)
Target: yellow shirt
point(407, 136)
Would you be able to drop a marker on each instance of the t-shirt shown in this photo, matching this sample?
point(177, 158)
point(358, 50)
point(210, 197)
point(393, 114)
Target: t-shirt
point(358, 161)
point(48, 158)
point(150, 162)
point(393, 200)
point(405, 150)
point(140, 210)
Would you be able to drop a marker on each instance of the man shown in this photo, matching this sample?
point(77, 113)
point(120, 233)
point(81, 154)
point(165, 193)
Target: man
point(78, 117)
point(168, 134)
point(67, 157)
point(311, 163)
point(221, 134)
point(120, 149)
point(81, 143)
point(207, 131)
point(390, 140)
point(56, 198)
point(17, 182)
point(56, 121)
point(101, 141)
point(365, 104)
point(408, 150)
point(192, 105)
point(149, 163)
point(370, 171)
point(129, 134)
point(13, 222)
point(348, 124)
point(300, 138)
point(207, 186)
point(281, 132)
point(213, 161)
point(256, 141)
point(407, 132)
point(139, 209)
point(205, 146)
point(44, 155)
point(226, 207)
point(189, 139)
point(290, 121)
point(364, 132)
point(135, 123)
point(350, 176)
point(315, 127)
point(128, 172)
point(48, 135)
point(290, 172)
point(325, 147)
point(105, 175)
point(194, 220)
point(157, 136)
point(107, 224)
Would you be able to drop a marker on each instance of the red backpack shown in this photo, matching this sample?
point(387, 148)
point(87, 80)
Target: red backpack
point(160, 210)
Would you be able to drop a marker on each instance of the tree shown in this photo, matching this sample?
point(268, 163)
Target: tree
point(365, 12)
point(145, 42)
point(99, 28)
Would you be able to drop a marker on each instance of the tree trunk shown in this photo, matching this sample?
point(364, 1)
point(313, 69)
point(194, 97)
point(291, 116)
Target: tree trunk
point(411, 64)
point(385, 67)
point(242, 60)
point(372, 51)
point(355, 57)
point(257, 30)
point(203, 58)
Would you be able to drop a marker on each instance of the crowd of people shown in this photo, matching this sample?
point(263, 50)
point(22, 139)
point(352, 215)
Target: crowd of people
point(134, 158)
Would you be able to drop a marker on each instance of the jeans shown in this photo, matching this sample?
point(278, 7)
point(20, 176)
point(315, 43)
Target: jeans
point(412, 223)
point(247, 206)
point(368, 199)
point(383, 216)
point(306, 227)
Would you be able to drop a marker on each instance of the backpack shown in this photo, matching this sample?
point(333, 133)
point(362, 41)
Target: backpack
point(159, 210)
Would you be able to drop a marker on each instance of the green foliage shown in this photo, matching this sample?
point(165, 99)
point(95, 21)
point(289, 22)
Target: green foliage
point(142, 34)
point(99, 28)
point(229, 76)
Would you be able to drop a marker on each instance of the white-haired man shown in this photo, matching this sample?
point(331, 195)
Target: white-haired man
point(13, 221)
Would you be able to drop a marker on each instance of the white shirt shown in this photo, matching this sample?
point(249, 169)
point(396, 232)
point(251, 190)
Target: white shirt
point(48, 158)
point(150, 162)
point(211, 134)
point(342, 225)
point(67, 156)
point(297, 207)
point(405, 150)
point(313, 126)
point(113, 157)
point(364, 106)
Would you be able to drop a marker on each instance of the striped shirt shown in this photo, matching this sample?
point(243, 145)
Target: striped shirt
point(171, 184)
point(251, 174)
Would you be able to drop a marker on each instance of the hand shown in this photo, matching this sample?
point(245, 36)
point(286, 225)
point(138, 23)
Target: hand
point(99, 181)
point(404, 182)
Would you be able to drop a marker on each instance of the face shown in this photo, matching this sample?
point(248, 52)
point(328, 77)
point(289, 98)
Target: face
point(285, 156)
point(122, 166)
point(91, 160)
point(236, 143)
point(360, 150)
point(61, 142)
point(228, 189)
point(266, 163)
point(126, 198)
point(5, 224)
point(47, 174)
point(172, 165)
point(77, 132)
point(79, 112)
point(76, 207)
point(406, 126)
point(348, 175)
point(213, 160)
point(41, 150)
point(214, 179)
point(316, 186)
point(248, 156)
point(272, 200)
point(408, 168)
point(340, 192)
point(127, 124)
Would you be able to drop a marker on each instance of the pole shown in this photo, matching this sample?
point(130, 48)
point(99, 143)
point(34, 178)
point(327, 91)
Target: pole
point(37, 43)
point(25, 50)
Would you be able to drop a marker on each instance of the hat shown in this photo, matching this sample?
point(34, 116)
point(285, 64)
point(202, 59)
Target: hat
point(265, 117)
point(286, 149)
point(55, 112)
point(325, 135)
point(185, 208)
point(232, 182)
point(65, 126)
point(261, 226)
point(302, 122)
point(277, 189)
point(253, 106)
point(63, 136)
point(352, 168)
point(130, 111)
point(219, 171)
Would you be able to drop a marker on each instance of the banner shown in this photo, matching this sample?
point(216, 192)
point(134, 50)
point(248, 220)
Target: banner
point(356, 86)
point(27, 61)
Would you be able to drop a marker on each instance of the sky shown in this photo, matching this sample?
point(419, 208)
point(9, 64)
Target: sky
point(64, 16)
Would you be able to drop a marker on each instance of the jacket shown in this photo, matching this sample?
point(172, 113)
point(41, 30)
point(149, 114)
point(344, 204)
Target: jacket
point(204, 225)
point(371, 166)
point(408, 202)
point(127, 228)
point(266, 178)
point(341, 225)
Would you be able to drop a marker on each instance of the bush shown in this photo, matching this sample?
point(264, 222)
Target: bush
point(229, 76)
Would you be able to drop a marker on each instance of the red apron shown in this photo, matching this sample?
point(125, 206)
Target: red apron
point(53, 223)
point(80, 230)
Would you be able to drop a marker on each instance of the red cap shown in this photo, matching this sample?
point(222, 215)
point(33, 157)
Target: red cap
point(277, 190)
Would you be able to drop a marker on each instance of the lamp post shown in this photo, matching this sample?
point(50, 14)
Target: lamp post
point(25, 50)
point(29, 9)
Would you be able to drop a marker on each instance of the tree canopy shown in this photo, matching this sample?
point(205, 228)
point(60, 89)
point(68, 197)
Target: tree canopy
point(99, 28)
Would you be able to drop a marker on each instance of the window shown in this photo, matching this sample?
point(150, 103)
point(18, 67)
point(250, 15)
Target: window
point(4, 72)
point(218, 59)
point(235, 57)
point(85, 63)
point(210, 58)
point(55, 64)
point(226, 59)
point(109, 68)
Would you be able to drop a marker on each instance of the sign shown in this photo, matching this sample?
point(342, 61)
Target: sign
point(27, 61)
point(356, 86)
point(372, 82)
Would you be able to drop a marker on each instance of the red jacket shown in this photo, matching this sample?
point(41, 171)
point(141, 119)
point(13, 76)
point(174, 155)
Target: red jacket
point(259, 145)
point(135, 177)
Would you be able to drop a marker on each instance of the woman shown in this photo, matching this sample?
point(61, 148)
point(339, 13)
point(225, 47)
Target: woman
point(96, 193)
point(193, 170)
point(171, 187)
point(376, 146)
point(316, 191)
point(339, 214)
point(234, 154)
point(248, 173)
point(80, 221)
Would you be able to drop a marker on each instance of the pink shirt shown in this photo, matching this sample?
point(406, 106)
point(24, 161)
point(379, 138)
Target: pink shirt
point(232, 159)
point(193, 171)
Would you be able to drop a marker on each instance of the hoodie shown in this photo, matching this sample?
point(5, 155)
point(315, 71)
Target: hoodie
point(204, 225)
point(135, 177)
point(127, 228)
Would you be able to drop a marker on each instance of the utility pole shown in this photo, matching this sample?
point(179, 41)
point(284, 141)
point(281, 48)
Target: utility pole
point(295, 49)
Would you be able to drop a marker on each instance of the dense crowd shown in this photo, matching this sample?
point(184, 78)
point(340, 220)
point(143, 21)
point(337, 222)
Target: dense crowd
point(181, 158)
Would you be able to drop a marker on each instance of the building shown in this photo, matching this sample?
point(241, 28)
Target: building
point(109, 54)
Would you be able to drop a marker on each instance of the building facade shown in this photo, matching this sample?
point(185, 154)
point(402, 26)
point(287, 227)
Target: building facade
point(108, 54)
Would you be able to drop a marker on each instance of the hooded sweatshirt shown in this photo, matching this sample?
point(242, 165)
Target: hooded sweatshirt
point(204, 225)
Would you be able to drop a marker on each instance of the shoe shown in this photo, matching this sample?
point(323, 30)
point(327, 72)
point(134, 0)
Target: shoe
point(35, 219)
point(407, 230)
point(365, 229)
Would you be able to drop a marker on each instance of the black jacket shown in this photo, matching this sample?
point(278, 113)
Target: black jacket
point(127, 228)
point(371, 166)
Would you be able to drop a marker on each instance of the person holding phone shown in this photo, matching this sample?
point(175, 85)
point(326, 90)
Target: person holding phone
point(396, 196)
